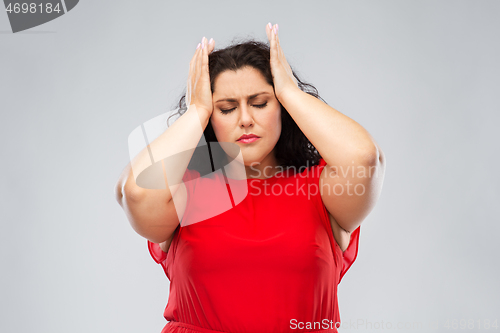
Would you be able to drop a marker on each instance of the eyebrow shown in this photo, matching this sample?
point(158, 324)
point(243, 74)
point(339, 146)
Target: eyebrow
point(249, 97)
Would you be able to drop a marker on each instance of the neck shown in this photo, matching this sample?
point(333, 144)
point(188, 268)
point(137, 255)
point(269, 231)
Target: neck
point(267, 168)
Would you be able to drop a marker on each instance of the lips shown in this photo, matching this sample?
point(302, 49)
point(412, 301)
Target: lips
point(247, 136)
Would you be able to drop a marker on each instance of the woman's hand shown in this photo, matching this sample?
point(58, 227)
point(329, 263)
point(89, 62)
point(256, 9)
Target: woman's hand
point(282, 73)
point(198, 90)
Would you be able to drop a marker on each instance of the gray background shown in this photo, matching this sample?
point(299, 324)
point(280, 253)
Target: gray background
point(420, 76)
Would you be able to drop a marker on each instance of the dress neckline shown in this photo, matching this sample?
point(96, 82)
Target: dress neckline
point(277, 175)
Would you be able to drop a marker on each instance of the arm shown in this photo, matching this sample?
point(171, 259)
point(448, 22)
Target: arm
point(151, 212)
point(343, 143)
point(351, 182)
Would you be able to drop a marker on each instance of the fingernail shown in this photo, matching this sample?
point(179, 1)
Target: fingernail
point(203, 42)
point(274, 30)
point(198, 46)
point(210, 41)
point(269, 25)
point(277, 27)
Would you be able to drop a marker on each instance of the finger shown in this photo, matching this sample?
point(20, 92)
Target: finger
point(211, 45)
point(268, 31)
point(194, 73)
point(276, 39)
point(274, 51)
point(193, 59)
point(204, 58)
point(278, 46)
point(196, 58)
point(199, 58)
point(191, 75)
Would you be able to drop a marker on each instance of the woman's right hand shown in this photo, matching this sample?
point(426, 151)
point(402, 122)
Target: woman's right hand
point(198, 90)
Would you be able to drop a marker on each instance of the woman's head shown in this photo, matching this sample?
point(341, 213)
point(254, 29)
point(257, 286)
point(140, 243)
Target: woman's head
point(241, 70)
point(245, 105)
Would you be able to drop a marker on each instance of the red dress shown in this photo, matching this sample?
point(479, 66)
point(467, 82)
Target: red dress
point(267, 264)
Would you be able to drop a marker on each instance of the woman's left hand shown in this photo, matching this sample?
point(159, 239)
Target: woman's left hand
point(282, 73)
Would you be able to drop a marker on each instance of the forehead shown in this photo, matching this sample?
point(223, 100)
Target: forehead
point(241, 83)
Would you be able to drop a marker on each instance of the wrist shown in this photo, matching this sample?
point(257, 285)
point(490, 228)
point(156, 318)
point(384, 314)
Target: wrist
point(203, 114)
point(288, 94)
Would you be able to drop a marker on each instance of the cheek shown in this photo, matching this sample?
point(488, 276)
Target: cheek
point(219, 125)
point(274, 122)
point(278, 130)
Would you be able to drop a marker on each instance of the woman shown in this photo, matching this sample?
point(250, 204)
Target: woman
point(269, 260)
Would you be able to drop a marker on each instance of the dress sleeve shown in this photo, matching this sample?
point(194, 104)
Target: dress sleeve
point(158, 255)
point(156, 252)
point(351, 252)
point(164, 258)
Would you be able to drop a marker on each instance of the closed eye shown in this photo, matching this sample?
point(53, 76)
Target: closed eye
point(260, 106)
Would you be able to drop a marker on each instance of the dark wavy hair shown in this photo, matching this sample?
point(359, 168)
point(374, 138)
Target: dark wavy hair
point(293, 148)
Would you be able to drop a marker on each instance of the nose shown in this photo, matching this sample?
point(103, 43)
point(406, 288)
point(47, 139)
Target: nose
point(246, 117)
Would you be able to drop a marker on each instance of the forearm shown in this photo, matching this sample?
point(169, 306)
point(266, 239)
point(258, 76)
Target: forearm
point(339, 139)
point(179, 140)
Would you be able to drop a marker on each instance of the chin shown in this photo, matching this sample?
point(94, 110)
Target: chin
point(250, 159)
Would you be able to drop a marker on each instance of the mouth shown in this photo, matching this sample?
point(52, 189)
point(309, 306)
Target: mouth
point(247, 138)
